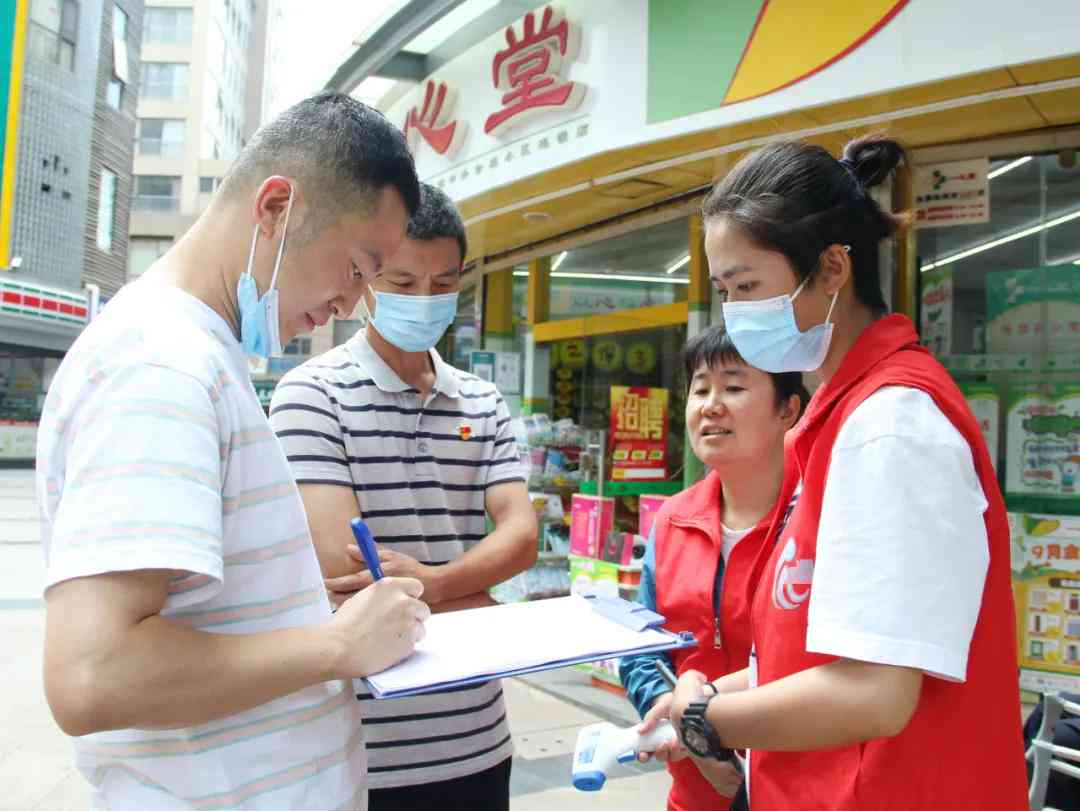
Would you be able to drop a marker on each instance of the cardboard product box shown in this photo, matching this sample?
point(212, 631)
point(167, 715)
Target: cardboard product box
point(591, 519)
point(648, 507)
point(592, 576)
point(619, 547)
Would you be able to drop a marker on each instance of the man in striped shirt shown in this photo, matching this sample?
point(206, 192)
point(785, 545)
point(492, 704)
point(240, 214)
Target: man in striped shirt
point(189, 641)
point(382, 427)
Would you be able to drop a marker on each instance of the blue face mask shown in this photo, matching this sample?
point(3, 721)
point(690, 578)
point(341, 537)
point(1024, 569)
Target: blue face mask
point(260, 329)
point(412, 323)
point(767, 337)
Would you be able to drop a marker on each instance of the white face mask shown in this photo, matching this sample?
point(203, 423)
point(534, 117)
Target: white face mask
point(768, 338)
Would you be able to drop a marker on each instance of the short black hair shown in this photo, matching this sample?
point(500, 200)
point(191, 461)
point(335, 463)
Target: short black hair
point(342, 151)
point(437, 217)
point(797, 199)
point(714, 346)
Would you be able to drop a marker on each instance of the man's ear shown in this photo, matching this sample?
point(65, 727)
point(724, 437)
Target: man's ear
point(271, 202)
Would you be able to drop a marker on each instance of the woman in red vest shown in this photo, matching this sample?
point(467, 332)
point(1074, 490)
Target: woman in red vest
point(705, 541)
point(884, 672)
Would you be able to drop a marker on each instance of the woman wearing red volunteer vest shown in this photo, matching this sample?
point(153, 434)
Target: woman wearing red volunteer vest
point(884, 674)
point(705, 541)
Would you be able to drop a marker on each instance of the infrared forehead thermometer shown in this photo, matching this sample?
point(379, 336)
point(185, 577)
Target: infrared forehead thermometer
point(601, 746)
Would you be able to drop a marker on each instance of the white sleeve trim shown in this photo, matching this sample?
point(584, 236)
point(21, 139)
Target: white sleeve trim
point(933, 660)
point(139, 558)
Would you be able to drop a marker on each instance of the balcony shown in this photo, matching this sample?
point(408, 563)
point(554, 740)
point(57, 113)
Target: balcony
point(155, 203)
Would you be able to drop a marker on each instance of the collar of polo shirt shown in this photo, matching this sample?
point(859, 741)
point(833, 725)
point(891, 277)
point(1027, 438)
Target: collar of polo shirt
point(446, 382)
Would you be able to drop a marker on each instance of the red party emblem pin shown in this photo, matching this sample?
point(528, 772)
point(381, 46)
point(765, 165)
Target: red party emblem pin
point(465, 432)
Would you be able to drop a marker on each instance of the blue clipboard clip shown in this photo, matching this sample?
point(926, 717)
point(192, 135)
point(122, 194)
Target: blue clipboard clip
point(630, 615)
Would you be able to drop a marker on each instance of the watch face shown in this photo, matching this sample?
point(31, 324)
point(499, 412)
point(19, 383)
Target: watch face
point(695, 741)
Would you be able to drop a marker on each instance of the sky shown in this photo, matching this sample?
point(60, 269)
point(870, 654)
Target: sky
point(318, 36)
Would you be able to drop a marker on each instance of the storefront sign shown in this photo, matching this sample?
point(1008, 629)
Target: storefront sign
point(641, 357)
point(722, 66)
point(607, 355)
point(937, 311)
point(955, 193)
point(570, 353)
point(530, 71)
point(13, 25)
point(1034, 310)
point(639, 433)
point(433, 123)
point(1046, 584)
point(1042, 448)
point(29, 300)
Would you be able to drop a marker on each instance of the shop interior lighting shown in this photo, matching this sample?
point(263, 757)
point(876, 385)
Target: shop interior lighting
point(678, 264)
point(559, 260)
point(1027, 232)
point(1008, 167)
point(611, 277)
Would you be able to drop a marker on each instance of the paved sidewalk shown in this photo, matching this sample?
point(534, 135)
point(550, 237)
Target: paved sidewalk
point(546, 710)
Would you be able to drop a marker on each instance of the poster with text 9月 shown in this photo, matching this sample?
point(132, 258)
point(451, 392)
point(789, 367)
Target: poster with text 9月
point(1046, 585)
point(639, 433)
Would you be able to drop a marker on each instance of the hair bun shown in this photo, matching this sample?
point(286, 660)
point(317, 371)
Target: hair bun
point(873, 158)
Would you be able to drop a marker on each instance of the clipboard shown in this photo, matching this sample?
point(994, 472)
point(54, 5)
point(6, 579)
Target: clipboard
point(480, 644)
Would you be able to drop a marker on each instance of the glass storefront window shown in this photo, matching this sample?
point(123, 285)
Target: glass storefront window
point(463, 336)
point(584, 370)
point(25, 375)
point(1000, 306)
point(622, 273)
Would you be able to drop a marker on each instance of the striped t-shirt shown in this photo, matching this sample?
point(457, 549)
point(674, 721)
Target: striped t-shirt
point(154, 453)
point(420, 469)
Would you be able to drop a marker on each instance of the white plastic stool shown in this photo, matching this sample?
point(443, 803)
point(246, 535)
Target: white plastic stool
point(1047, 757)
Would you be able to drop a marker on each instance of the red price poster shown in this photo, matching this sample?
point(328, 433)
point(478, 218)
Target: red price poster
point(639, 433)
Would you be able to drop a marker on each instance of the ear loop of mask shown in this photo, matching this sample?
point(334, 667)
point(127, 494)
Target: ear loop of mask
point(281, 247)
point(284, 236)
point(836, 295)
point(363, 300)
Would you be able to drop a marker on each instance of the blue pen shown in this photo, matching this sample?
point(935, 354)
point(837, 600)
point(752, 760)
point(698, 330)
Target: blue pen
point(367, 547)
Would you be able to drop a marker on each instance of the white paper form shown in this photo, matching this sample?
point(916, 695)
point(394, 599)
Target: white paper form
point(499, 640)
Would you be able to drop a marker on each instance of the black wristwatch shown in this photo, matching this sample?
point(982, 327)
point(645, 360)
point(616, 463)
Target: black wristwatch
point(697, 733)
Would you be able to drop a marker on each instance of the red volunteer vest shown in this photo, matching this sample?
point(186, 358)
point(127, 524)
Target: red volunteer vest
point(688, 544)
point(962, 747)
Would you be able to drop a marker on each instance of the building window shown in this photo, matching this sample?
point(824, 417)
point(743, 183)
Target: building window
point(298, 346)
point(114, 93)
point(161, 136)
point(168, 25)
point(157, 193)
point(106, 210)
point(165, 81)
point(53, 31)
point(208, 185)
point(143, 252)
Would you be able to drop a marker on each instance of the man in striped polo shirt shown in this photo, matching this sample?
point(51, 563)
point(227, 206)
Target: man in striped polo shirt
point(382, 427)
point(189, 641)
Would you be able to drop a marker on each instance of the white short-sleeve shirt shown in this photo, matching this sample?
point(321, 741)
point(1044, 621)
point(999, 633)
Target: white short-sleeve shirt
point(902, 550)
point(154, 453)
